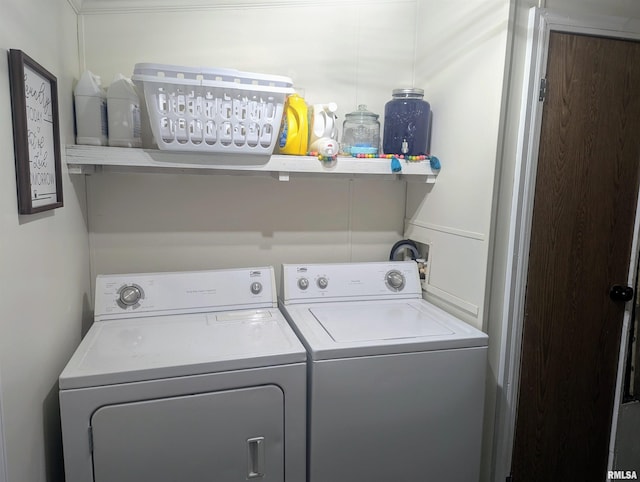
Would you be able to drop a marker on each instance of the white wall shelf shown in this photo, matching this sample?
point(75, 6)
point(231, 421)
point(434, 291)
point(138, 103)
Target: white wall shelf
point(95, 159)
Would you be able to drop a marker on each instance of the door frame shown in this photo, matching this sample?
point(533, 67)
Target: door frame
point(541, 23)
point(3, 456)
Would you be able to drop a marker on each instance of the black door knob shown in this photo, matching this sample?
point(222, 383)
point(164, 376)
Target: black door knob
point(621, 293)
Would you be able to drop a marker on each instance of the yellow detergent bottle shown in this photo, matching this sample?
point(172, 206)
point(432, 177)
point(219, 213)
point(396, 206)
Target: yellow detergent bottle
point(294, 130)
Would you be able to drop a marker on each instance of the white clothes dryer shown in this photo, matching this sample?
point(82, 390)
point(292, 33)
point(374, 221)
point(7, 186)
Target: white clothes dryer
point(191, 376)
point(396, 385)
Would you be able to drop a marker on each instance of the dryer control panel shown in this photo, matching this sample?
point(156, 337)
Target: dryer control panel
point(350, 281)
point(146, 294)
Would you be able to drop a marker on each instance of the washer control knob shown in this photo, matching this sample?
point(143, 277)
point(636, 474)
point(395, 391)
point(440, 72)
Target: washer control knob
point(256, 287)
point(129, 295)
point(303, 283)
point(322, 282)
point(395, 280)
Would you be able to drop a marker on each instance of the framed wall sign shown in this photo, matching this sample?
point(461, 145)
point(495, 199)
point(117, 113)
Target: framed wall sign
point(36, 134)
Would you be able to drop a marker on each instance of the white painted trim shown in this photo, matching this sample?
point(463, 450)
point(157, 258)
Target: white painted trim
point(444, 229)
point(453, 299)
point(96, 7)
point(541, 23)
point(3, 455)
point(626, 326)
point(75, 5)
point(518, 240)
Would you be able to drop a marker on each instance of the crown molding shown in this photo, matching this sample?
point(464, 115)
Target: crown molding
point(76, 5)
point(95, 7)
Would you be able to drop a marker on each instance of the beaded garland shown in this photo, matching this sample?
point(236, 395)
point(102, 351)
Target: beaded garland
point(321, 157)
point(390, 156)
point(369, 156)
point(395, 159)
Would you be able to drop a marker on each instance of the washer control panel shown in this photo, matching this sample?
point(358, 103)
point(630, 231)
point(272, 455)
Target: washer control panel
point(322, 282)
point(350, 280)
point(395, 280)
point(145, 294)
point(130, 296)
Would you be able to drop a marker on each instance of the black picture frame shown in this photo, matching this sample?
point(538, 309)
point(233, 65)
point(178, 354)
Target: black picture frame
point(36, 134)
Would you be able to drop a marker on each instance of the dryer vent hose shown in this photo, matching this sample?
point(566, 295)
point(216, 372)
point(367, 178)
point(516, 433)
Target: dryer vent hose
point(404, 245)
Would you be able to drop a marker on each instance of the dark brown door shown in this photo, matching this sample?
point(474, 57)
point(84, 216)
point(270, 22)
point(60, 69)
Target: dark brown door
point(582, 230)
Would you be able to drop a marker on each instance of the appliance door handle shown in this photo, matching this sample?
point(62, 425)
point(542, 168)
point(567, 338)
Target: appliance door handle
point(255, 458)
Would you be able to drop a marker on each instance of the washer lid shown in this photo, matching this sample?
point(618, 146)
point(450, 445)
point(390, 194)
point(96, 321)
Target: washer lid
point(368, 328)
point(383, 321)
point(150, 348)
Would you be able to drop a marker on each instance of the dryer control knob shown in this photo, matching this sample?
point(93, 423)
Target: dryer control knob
point(322, 282)
point(256, 288)
point(129, 295)
point(303, 283)
point(395, 280)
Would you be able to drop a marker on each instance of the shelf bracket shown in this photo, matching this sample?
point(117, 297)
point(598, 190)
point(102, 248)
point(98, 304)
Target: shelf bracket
point(283, 175)
point(428, 179)
point(80, 169)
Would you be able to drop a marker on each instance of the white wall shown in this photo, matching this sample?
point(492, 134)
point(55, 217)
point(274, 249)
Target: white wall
point(44, 262)
point(461, 60)
point(159, 222)
point(344, 52)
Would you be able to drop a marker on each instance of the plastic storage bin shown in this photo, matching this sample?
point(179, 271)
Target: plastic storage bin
point(212, 110)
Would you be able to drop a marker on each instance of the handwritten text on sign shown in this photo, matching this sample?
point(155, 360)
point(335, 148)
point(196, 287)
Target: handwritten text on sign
point(40, 135)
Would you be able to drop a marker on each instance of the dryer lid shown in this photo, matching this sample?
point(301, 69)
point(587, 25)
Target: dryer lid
point(151, 348)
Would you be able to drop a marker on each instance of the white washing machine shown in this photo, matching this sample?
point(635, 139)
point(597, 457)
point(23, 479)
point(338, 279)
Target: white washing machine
point(192, 376)
point(396, 385)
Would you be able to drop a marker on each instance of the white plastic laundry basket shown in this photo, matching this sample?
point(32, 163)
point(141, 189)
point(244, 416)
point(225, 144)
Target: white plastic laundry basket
point(212, 110)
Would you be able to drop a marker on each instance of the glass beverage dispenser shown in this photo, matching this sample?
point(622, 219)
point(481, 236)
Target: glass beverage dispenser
point(407, 123)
